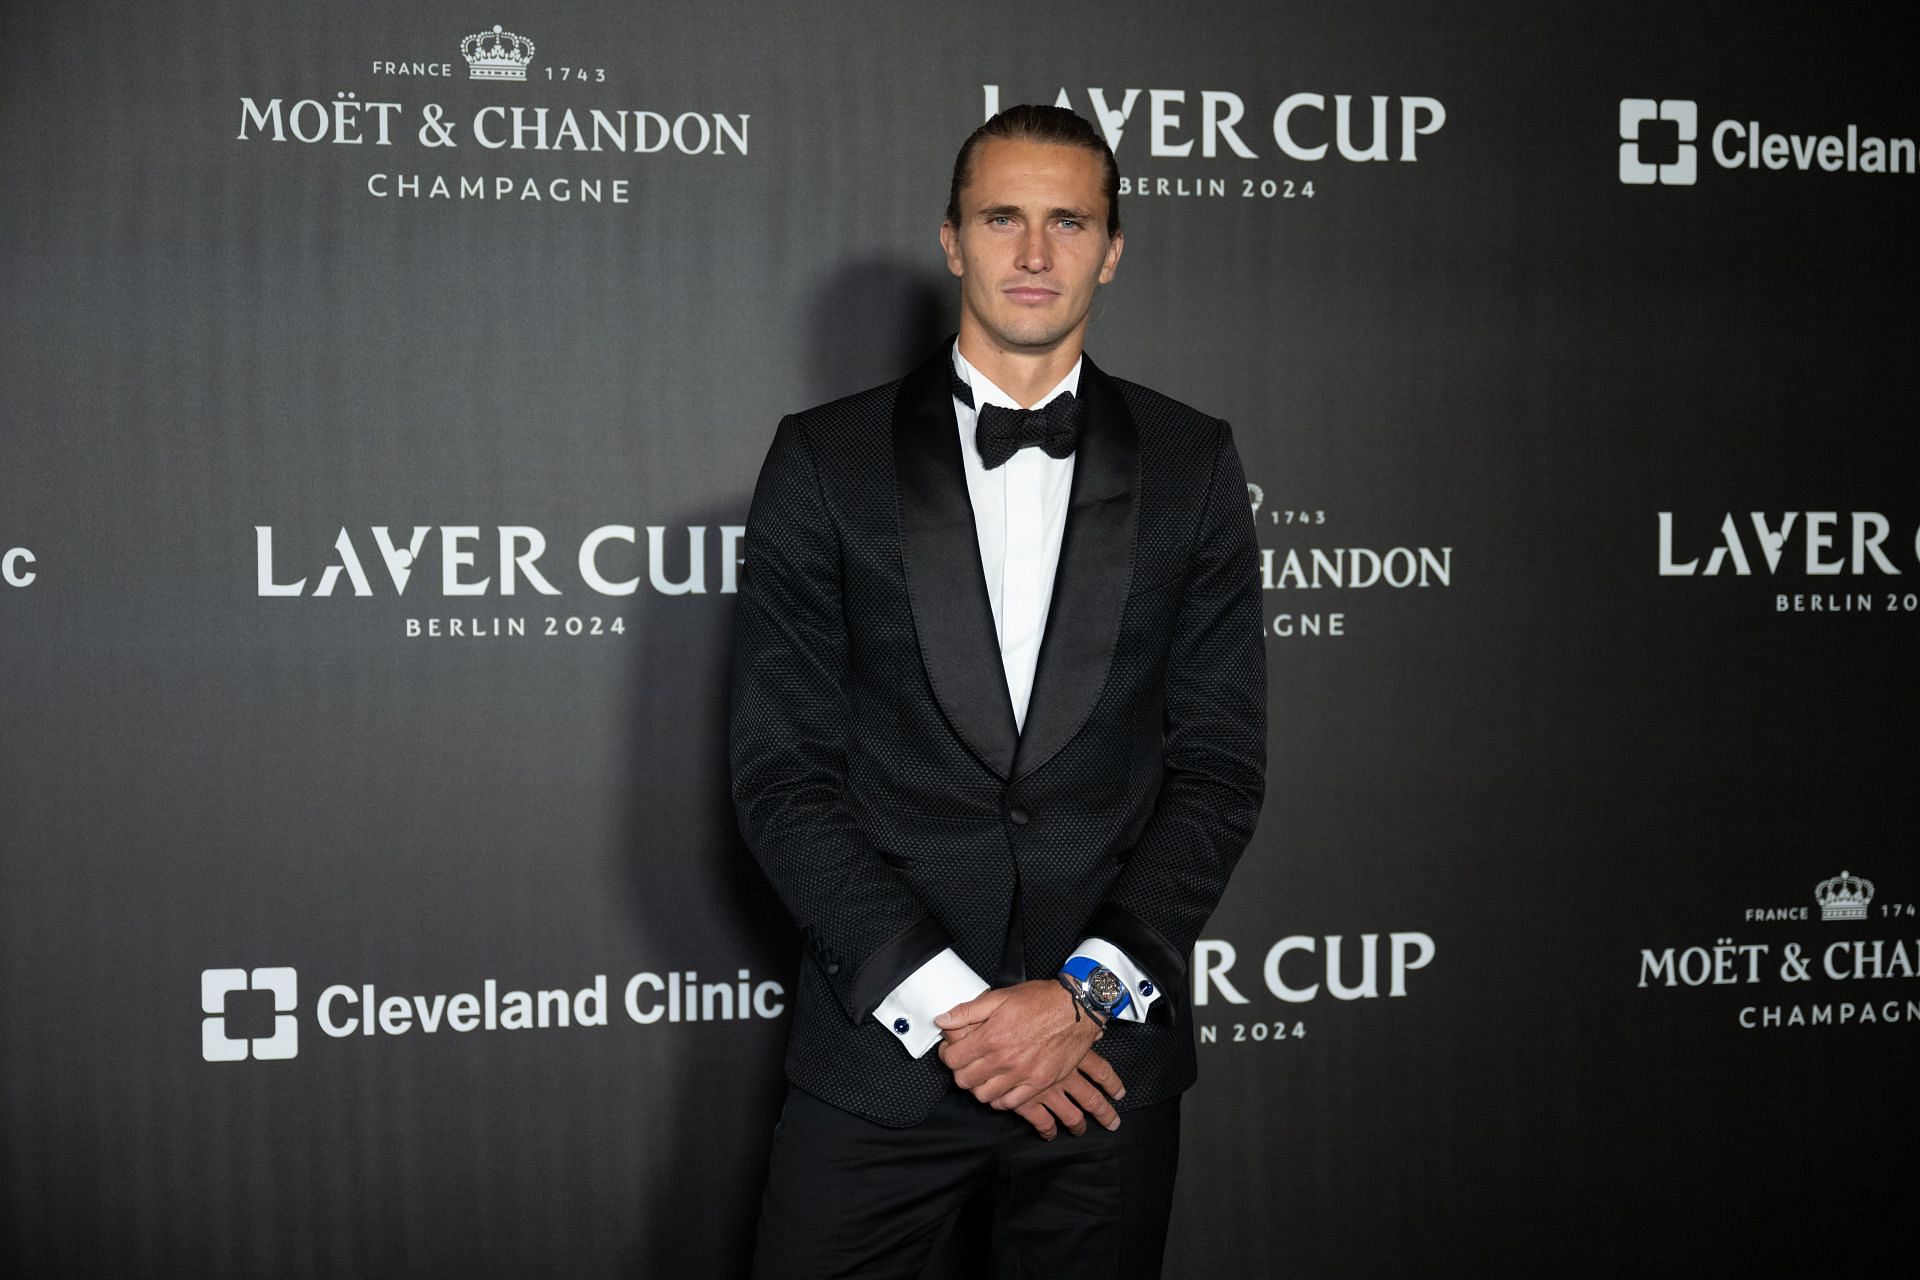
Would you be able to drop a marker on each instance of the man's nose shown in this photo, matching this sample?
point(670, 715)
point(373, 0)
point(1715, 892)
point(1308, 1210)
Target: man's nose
point(1035, 253)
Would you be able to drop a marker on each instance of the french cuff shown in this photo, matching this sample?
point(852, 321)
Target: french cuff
point(1141, 990)
point(925, 994)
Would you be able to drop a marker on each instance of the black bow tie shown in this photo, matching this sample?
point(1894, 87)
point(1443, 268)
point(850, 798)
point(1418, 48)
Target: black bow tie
point(1000, 432)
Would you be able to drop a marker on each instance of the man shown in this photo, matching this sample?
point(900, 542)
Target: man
point(998, 736)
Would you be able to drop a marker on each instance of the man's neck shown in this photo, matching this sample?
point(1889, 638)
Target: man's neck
point(1024, 374)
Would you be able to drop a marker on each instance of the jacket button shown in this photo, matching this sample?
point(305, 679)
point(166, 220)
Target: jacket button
point(1017, 816)
point(833, 967)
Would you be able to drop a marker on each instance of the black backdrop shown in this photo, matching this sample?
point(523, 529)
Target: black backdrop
point(256, 760)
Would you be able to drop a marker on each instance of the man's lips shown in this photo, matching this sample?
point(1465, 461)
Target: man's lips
point(1030, 294)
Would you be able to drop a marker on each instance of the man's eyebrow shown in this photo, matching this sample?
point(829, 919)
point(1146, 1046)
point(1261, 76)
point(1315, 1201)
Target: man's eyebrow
point(1014, 210)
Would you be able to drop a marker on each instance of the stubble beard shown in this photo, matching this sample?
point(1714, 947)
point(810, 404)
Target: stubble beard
point(1028, 332)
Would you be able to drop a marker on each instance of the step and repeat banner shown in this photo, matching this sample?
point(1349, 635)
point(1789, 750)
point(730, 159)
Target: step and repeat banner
point(384, 385)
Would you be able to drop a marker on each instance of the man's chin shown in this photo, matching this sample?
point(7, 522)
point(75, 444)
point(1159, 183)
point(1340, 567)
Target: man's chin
point(1036, 338)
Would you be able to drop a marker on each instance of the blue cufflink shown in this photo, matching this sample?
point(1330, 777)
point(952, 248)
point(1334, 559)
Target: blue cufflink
point(1146, 987)
point(900, 1025)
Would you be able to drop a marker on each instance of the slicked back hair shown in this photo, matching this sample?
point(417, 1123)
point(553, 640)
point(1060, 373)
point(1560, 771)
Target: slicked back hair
point(1056, 126)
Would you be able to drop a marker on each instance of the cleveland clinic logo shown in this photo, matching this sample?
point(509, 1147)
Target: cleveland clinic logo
point(1685, 118)
point(216, 1045)
point(239, 1004)
point(1652, 130)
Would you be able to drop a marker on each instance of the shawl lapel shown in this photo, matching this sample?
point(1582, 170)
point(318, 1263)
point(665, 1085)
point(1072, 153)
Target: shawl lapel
point(940, 550)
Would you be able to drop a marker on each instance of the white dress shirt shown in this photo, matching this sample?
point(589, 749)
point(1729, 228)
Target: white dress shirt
point(1019, 517)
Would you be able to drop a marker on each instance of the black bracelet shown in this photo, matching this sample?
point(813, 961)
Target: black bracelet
point(1081, 1000)
point(1072, 991)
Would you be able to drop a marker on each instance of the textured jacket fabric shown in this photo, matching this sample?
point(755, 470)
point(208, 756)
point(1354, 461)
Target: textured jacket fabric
point(878, 776)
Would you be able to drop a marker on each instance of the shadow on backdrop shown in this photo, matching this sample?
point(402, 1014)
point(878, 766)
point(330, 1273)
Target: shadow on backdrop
point(870, 322)
point(700, 1184)
point(694, 892)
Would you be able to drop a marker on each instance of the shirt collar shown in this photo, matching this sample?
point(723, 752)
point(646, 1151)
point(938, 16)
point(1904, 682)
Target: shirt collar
point(984, 392)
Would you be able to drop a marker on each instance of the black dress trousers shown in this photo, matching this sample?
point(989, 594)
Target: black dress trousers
point(850, 1198)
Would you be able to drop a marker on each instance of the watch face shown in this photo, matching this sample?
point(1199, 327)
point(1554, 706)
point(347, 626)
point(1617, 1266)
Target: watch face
point(1105, 987)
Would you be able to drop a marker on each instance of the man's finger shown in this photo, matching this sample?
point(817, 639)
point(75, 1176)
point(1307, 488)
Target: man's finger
point(971, 1073)
point(978, 1075)
point(1039, 1117)
point(959, 1053)
point(1091, 1101)
point(1058, 1102)
point(1013, 1098)
point(970, 1011)
point(989, 1088)
point(1096, 1068)
point(949, 1050)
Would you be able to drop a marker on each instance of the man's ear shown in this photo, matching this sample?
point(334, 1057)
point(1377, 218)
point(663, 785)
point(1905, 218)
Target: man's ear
point(1113, 256)
point(950, 245)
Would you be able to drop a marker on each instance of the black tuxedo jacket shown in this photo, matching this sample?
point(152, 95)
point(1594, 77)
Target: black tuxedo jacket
point(877, 773)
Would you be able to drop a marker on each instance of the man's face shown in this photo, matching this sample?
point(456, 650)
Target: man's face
point(1032, 244)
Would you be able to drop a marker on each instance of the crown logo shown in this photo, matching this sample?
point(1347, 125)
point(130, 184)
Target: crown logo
point(1845, 897)
point(496, 55)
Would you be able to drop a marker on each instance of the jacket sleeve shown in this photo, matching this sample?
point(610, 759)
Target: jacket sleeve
point(1215, 746)
point(787, 733)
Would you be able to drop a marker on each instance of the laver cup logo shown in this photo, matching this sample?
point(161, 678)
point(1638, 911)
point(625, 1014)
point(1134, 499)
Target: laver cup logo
point(1683, 117)
point(216, 1042)
point(1865, 559)
point(1191, 143)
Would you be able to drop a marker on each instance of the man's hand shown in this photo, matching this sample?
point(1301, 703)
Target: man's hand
point(1081, 1096)
point(1019, 1042)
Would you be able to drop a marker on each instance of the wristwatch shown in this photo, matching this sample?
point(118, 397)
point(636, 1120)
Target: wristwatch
point(1106, 994)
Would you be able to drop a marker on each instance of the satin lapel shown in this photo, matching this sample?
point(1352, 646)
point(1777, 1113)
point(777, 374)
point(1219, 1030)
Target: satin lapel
point(1095, 573)
point(941, 553)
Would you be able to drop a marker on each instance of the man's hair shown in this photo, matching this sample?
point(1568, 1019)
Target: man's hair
point(1054, 125)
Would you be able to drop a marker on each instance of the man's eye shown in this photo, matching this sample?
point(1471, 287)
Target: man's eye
point(1072, 224)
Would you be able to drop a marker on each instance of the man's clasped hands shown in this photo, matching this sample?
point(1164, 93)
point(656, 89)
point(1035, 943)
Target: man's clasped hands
point(1029, 1049)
